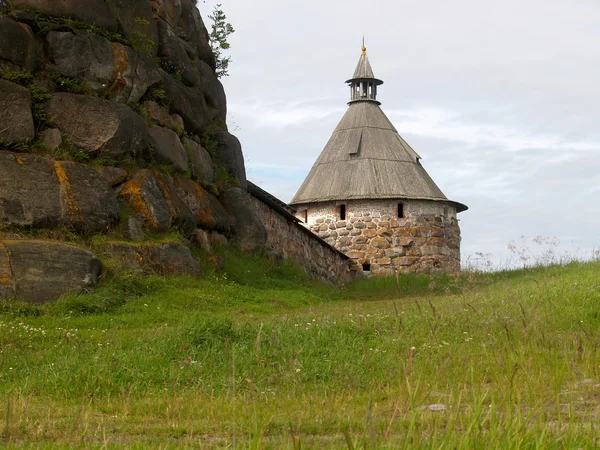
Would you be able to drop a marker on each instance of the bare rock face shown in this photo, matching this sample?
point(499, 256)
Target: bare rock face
point(40, 193)
point(207, 210)
point(188, 103)
point(153, 196)
point(94, 12)
point(163, 259)
point(200, 162)
point(229, 155)
point(101, 127)
point(136, 23)
point(41, 271)
point(109, 67)
point(87, 200)
point(16, 121)
point(169, 149)
point(29, 191)
point(114, 175)
point(172, 51)
point(18, 47)
point(249, 230)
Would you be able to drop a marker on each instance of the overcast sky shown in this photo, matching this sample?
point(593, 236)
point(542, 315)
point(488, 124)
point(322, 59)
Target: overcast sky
point(501, 100)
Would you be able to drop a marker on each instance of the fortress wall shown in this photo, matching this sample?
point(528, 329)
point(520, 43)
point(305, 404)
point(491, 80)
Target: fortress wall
point(425, 240)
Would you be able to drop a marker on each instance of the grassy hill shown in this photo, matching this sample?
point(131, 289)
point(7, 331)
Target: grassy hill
point(255, 356)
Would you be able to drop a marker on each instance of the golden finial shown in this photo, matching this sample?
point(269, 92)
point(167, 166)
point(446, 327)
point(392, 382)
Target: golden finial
point(364, 49)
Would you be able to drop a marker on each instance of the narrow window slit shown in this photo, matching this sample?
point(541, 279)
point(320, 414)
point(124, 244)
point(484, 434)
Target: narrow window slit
point(342, 212)
point(400, 210)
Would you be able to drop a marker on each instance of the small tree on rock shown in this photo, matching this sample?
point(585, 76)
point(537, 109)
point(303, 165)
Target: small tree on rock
point(221, 29)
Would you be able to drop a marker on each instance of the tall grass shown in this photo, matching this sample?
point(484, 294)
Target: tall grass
point(256, 356)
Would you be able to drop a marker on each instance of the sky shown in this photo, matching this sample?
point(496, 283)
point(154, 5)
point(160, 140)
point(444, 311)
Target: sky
point(501, 100)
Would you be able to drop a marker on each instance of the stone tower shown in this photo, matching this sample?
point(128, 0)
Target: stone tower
point(369, 196)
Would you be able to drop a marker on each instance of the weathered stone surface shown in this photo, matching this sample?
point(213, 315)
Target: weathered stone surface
point(29, 191)
point(249, 230)
point(109, 67)
point(229, 156)
point(174, 56)
point(201, 239)
point(154, 196)
point(164, 259)
point(168, 148)
point(16, 121)
point(135, 224)
point(41, 271)
point(185, 19)
point(137, 23)
point(214, 93)
point(368, 233)
point(94, 12)
point(217, 239)
point(18, 47)
point(200, 162)
point(114, 175)
point(101, 127)
point(88, 203)
point(207, 210)
point(51, 138)
point(188, 103)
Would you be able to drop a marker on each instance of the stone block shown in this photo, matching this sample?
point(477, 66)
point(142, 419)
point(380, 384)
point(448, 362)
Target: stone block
point(380, 242)
point(355, 254)
point(100, 127)
point(404, 261)
point(16, 121)
point(360, 225)
point(384, 232)
point(340, 224)
point(162, 259)
point(360, 240)
point(42, 271)
point(323, 227)
point(394, 224)
point(93, 12)
point(51, 139)
point(206, 209)
point(200, 161)
point(344, 241)
point(29, 192)
point(369, 233)
point(343, 232)
point(372, 225)
point(355, 232)
point(437, 232)
point(383, 261)
point(395, 252)
point(18, 47)
point(88, 203)
point(249, 229)
point(153, 196)
point(168, 149)
point(114, 175)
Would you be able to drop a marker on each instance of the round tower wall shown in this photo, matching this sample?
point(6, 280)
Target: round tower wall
point(426, 239)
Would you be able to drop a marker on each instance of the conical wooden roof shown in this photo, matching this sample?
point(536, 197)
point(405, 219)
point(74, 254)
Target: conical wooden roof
point(366, 158)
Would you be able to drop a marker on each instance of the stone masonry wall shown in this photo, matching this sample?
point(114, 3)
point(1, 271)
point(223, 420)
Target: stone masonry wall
point(292, 241)
point(425, 240)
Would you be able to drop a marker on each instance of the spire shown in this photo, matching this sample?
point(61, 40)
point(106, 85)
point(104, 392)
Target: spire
point(363, 84)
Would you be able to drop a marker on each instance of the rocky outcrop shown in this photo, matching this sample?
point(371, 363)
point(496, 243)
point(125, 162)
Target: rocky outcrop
point(169, 149)
point(16, 121)
point(39, 271)
point(208, 212)
point(100, 127)
point(19, 49)
point(163, 259)
point(230, 157)
point(200, 161)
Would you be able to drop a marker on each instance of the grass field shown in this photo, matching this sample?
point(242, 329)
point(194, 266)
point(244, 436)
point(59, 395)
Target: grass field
point(254, 356)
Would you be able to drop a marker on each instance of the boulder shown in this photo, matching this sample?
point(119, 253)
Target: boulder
point(93, 12)
point(114, 175)
point(200, 161)
point(168, 149)
point(41, 271)
point(18, 47)
point(108, 67)
point(137, 24)
point(172, 52)
point(160, 115)
point(153, 196)
point(87, 200)
point(213, 91)
point(29, 191)
point(16, 121)
point(189, 104)
point(229, 156)
point(163, 259)
point(100, 127)
point(207, 210)
point(199, 238)
point(250, 234)
point(51, 139)
point(184, 18)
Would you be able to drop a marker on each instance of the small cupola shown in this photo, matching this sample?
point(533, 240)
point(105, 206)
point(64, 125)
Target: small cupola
point(363, 84)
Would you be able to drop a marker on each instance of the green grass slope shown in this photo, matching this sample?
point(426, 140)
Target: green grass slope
point(256, 356)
